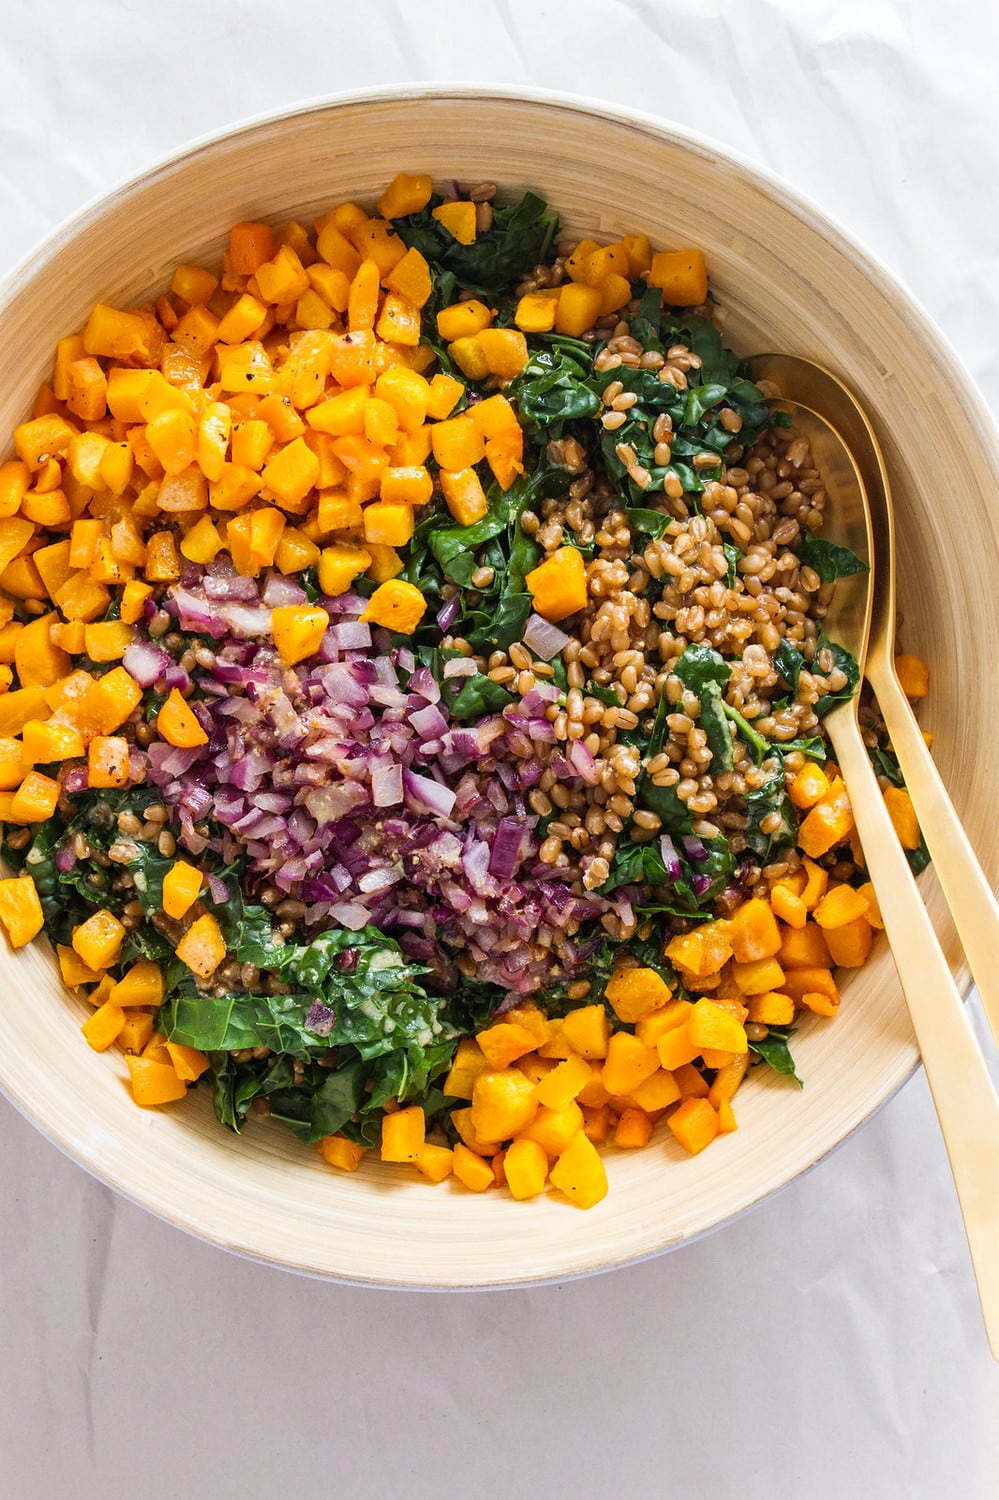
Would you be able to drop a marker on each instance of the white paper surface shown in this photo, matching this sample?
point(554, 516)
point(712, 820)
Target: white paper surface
point(829, 1344)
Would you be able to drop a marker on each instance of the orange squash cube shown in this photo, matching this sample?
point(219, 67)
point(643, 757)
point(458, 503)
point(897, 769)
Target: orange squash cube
point(526, 1168)
point(458, 219)
point(635, 992)
point(202, 948)
point(558, 585)
point(345, 1154)
point(177, 723)
point(577, 309)
point(403, 1134)
point(579, 1173)
point(471, 1170)
point(21, 910)
point(397, 605)
point(587, 1031)
point(108, 761)
point(634, 1129)
point(682, 275)
point(98, 940)
point(694, 1124)
point(154, 1082)
point(181, 888)
point(628, 1063)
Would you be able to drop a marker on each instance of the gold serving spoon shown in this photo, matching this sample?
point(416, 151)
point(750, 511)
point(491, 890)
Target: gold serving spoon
point(966, 1102)
point(972, 903)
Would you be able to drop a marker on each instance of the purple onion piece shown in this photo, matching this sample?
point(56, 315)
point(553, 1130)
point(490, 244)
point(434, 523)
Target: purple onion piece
point(544, 638)
point(448, 613)
point(671, 858)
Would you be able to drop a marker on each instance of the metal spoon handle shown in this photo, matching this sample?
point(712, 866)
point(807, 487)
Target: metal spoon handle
point(966, 1102)
point(972, 904)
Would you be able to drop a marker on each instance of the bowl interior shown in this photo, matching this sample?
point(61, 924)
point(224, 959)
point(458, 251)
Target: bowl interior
point(786, 279)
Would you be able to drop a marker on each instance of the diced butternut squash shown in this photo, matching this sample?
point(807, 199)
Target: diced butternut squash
point(903, 816)
point(803, 947)
point(558, 585)
point(188, 1062)
point(502, 1043)
point(181, 888)
point(142, 985)
point(587, 1030)
point(553, 1129)
point(577, 308)
point(21, 910)
point(458, 219)
point(435, 1163)
point(659, 1091)
point(503, 1104)
point(178, 724)
point(457, 442)
point(809, 980)
point(471, 1170)
point(682, 275)
point(397, 605)
point(634, 1129)
point(403, 1134)
point(136, 1031)
point(103, 1026)
point(771, 1009)
point(628, 1063)
point(839, 906)
point(202, 948)
point(35, 799)
point(580, 1174)
point(913, 676)
point(753, 931)
point(850, 942)
point(98, 940)
point(154, 1082)
point(526, 1168)
point(464, 495)
point(694, 1124)
point(635, 992)
point(711, 1026)
point(297, 630)
point(338, 1151)
point(757, 976)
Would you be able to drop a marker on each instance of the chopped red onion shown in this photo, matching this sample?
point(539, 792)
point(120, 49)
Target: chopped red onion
point(447, 615)
point(350, 635)
point(693, 848)
point(245, 620)
point(386, 786)
point(544, 638)
point(146, 663)
point(428, 793)
point(671, 859)
point(582, 762)
point(279, 590)
point(460, 666)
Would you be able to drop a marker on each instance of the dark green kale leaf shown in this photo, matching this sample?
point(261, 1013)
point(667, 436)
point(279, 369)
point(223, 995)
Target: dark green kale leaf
point(551, 391)
point(830, 560)
point(847, 664)
point(776, 1052)
point(477, 697)
point(519, 239)
point(769, 798)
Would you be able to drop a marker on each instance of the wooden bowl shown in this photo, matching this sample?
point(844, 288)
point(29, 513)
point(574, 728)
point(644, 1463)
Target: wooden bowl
point(787, 279)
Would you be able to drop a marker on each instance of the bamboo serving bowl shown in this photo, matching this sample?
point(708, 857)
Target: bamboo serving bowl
point(787, 278)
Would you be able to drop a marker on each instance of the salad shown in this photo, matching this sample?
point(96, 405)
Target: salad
point(413, 675)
